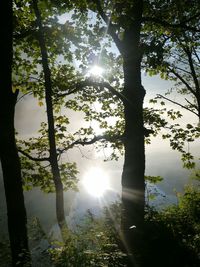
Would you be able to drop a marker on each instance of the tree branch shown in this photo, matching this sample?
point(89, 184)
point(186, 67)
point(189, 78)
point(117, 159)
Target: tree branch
point(183, 81)
point(178, 68)
point(176, 103)
point(22, 35)
point(106, 85)
point(89, 82)
point(110, 26)
point(28, 93)
point(32, 158)
point(105, 137)
point(169, 25)
point(98, 138)
point(196, 54)
point(194, 75)
point(192, 105)
point(76, 89)
point(86, 142)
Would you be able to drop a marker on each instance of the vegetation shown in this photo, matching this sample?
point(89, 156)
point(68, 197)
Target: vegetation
point(172, 237)
point(95, 242)
point(10, 162)
point(158, 37)
point(172, 234)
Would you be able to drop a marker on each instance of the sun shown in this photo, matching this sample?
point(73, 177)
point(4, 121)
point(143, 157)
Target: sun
point(96, 71)
point(96, 182)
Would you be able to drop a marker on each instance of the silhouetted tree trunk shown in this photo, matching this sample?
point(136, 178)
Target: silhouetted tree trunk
point(51, 130)
point(8, 152)
point(133, 186)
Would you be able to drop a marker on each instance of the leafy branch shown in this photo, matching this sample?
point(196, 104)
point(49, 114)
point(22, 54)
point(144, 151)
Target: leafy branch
point(181, 25)
point(31, 157)
point(95, 139)
point(101, 85)
point(110, 26)
point(176, 103)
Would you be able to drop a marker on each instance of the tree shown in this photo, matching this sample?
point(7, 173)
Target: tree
point(180, 58)
point(179, 62)
point(133, 137)
point(132, 26)
point(31, 79)
point(51, 130)
point(8, 152)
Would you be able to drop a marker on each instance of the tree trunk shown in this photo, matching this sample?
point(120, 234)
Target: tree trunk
point(198, 104)
point(8, 152)
point(133, 186)
point(51, 130)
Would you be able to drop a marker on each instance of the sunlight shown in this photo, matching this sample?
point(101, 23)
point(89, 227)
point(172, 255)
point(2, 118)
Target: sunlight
point(96, 182)
point(96, 71)
point(96, 128)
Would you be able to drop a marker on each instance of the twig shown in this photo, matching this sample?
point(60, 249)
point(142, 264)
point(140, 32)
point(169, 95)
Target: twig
point(32, 158)
point(28, 93)
point(192, 105)
point(176, 103)
point(110, 26)
point(183, 81)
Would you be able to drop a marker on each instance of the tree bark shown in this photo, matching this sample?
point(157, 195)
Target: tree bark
point(51, 130)
point(133, 185)
point(198, 103)
point(8, 152)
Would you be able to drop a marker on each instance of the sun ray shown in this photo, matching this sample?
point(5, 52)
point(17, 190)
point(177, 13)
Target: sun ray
point(119, 232)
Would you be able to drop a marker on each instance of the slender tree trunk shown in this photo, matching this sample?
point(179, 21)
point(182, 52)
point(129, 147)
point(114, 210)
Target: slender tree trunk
point(8, 152)
point(198, 103)
point(51, 130)
point(133, 186)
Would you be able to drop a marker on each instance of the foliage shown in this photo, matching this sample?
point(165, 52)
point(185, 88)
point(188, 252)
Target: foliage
point(172, 237)
point(180, 139)
point(36, 170)
point(28, 77)
point(176, 59)
point(70, 41)
point(94, 243)
point(5, 257)
point(67, 42)
point(35, 230)
point(186, 218)
point(180, 135)
point(173, 234)
point(153, 179)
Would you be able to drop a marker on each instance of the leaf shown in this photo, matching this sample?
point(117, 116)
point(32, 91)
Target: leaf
point(153, 179)
point(14, 88)
point(40, 103)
